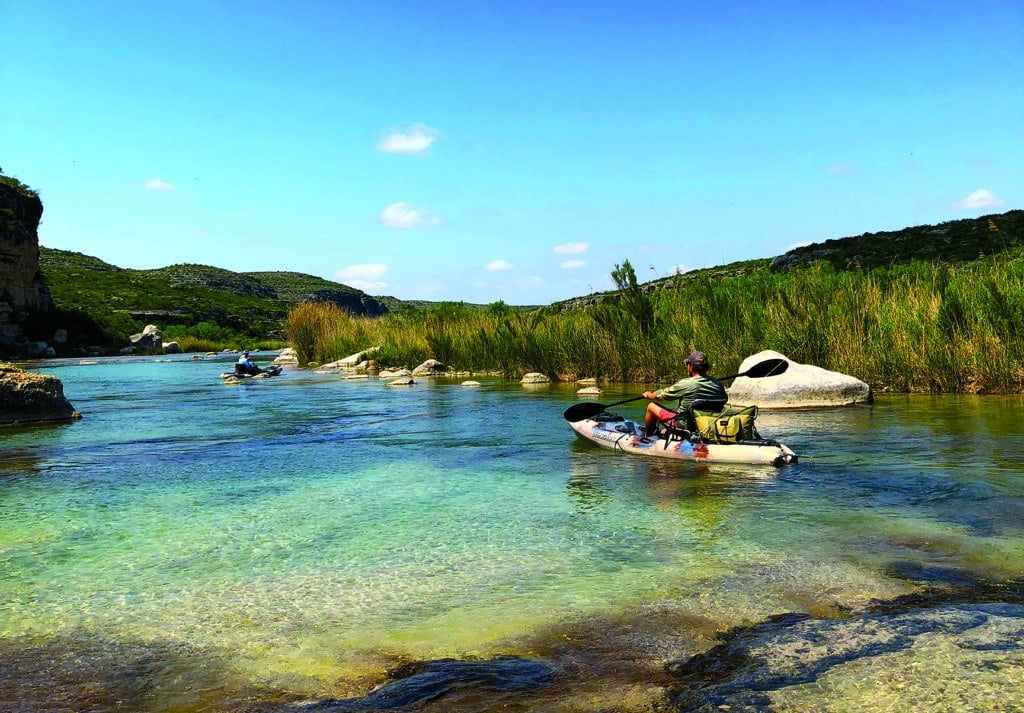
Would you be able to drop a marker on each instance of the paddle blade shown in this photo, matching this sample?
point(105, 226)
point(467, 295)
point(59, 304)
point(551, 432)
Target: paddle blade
point(587, 409)
point(768, 367)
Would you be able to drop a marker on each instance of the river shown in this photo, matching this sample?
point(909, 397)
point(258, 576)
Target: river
point(190, 545)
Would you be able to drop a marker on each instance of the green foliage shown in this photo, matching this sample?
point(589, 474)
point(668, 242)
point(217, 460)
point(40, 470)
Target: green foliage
point(913, 327)
point(953, 241)
point(904, 320)
point(17, 185)
point(633, 300)
point(186, 301)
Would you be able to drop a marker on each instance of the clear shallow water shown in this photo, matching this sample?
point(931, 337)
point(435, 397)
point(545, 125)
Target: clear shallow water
point(293, 537)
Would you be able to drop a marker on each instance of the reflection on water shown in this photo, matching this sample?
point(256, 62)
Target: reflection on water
point(300, 535)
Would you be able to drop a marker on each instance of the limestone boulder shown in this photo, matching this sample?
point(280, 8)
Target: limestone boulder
point(535, 377)
point(150, 338)
point(431, 367)
point(800, 386)
point(357, 360)
point(27, 397)
point(287, 357)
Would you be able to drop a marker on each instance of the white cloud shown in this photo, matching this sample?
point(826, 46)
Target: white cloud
point(499, 265)
point(157, 184)
point(364, 277)
point(415, 139)
point(981, 198)
point(404, 216)
point(572, 264)
point(571, 248)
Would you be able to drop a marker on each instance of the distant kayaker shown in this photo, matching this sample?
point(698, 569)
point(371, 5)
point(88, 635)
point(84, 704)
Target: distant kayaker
point(246, 365)
point(696, 385)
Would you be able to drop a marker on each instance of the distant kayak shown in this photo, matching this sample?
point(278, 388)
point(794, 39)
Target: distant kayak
point(263, 374)
point(611, 431)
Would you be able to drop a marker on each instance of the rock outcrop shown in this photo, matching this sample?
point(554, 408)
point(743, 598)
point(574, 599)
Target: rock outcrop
point(287, 357)
point(800, 386)
point(22, 291)
point(150, 339)
point(535, 377)
point(431, 367)
point(27, 397)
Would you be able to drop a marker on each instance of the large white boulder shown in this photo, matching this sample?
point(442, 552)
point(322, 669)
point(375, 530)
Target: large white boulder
point(800, 386)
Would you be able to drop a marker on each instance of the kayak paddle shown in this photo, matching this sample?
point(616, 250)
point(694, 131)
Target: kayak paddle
point(768, 367)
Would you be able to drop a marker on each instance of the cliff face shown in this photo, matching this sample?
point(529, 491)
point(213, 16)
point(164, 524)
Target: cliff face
point(21, 290)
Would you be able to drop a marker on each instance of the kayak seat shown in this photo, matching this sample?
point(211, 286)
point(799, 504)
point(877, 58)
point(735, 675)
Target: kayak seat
point(711, 422)
point(685, 426)
point(700, 410)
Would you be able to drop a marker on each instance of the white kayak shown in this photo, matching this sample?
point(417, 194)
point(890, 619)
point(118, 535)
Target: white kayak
point(616, 433)
point(237, 375)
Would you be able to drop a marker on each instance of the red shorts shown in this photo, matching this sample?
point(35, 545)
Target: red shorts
point(665, 415)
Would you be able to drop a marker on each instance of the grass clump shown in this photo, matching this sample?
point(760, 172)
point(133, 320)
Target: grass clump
point(915, 327)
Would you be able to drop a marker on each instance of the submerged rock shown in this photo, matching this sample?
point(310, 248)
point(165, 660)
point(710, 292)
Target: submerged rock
point(30, 398)
point(758, 665)
point(800, 386)
point(420, 683)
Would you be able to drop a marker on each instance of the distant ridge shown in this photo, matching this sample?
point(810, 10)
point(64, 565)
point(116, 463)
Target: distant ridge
point(284, 288)
point(953, 241)
point(100, 303)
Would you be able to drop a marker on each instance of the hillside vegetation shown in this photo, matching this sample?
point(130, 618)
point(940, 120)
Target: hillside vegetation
point(950, 242)
point(103, 304)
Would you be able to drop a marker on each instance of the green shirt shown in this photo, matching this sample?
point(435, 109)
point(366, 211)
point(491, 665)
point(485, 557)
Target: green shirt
point(692, 388)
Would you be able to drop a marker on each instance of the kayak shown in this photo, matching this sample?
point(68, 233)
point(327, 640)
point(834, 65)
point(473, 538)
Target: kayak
point(615, 432)
point(718, 435)
point(266, 373)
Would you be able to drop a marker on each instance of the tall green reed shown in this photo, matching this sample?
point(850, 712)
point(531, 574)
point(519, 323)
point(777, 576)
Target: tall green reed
point(929, 327)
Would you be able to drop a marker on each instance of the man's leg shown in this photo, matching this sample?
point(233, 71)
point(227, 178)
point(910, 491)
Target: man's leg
point(651, 417)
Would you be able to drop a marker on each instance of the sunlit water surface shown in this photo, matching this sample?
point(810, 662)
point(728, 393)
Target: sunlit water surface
point(293, 537)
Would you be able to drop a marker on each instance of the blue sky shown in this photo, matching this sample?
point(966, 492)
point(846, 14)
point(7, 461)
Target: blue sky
point(503, 151)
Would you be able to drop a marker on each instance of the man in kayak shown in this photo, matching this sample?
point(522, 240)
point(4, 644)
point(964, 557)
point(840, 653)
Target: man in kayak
point(246, 365)
point(696, 385)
